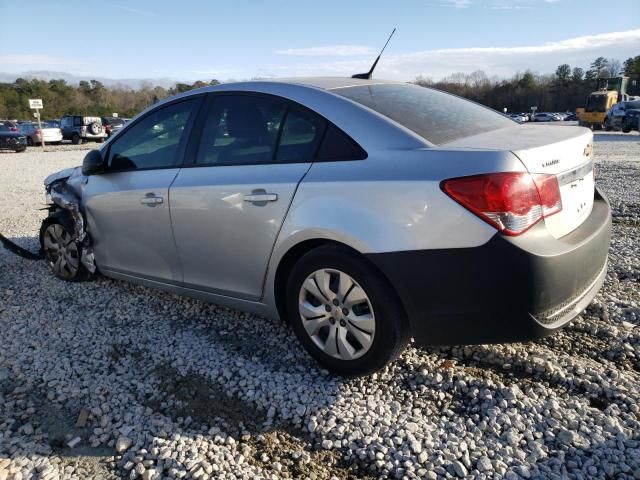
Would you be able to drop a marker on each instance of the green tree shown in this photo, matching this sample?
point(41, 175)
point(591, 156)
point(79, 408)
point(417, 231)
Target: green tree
point(599, 67)
point(527, 80)
point(563, 72)
point(577, 74)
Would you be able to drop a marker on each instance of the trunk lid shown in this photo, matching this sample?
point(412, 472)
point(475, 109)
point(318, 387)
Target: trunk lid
point(552, 149)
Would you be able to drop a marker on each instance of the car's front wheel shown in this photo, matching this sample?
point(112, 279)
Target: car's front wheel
point(61, 251)
point(75, 139)
point(344, 312)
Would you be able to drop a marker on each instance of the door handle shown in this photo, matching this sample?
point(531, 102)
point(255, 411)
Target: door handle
point(151, 200)
point(260, 197)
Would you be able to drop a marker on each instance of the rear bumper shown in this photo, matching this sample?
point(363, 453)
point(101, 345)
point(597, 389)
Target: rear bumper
point(507, 290)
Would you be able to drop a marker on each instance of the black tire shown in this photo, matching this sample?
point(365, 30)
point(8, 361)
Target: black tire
point(626, 128)
point(75, 139)
point(100, 140)
point(63, 219)
point(607, 125)
point(30, 141)
point(391, 326)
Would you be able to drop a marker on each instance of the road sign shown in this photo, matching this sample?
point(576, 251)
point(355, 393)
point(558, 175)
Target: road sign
point(36, 104)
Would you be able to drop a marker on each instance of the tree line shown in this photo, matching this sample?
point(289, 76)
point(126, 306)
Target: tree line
point(87, 98)
point(563, 90)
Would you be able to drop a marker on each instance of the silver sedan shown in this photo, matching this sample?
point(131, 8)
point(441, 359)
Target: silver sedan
point(363, 212)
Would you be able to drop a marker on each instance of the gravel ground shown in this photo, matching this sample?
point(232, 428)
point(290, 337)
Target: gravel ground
point(110, 380)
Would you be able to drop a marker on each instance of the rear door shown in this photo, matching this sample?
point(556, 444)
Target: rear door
point(128, 206)
point(227, 207)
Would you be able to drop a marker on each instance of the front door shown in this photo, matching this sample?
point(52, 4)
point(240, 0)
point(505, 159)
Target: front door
point(228, 206)
point(127, 207)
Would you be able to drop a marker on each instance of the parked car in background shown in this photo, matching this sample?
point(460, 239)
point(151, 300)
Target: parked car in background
point(617, 113)
point(52, 122)
point(572, 117)
point(34, 135)
point(545, 117)
point(112, 124)
point(366, 213)
point(631, 120)
point(10, 125)
point(518, 117)
point(10, 139)
point(81, 129)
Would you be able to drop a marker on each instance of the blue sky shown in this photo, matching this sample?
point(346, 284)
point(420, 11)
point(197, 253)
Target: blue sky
point(188, 40)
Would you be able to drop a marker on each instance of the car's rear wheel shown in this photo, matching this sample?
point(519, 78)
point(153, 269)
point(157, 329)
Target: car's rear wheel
point(75, 139)
point(61, 251)
point(607, 125)
point(30, 141)
point(344, 312)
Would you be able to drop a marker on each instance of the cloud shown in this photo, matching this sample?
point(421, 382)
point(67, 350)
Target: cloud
point(456, 3)
point(329, 51)
point(35, 59)
point(500, 61)
point(137, 11)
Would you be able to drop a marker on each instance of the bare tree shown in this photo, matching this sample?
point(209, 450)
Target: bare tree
point(614, 67)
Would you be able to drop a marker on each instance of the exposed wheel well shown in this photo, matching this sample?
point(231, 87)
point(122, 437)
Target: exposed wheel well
point(294, 254)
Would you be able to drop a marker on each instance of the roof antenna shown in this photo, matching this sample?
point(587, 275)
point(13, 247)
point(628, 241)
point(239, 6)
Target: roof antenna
point(367, 76)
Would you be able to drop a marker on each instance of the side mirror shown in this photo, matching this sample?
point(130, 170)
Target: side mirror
point(93, 163)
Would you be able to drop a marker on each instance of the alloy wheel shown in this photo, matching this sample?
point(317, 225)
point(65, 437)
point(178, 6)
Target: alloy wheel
point(337, 314)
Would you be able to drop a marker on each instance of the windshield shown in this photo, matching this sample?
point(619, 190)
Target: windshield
point(434, 115)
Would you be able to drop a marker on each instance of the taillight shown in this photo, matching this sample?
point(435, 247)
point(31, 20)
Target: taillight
point(512, 202)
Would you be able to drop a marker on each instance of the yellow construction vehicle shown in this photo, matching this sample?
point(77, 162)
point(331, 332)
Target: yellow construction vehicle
point(610, 91)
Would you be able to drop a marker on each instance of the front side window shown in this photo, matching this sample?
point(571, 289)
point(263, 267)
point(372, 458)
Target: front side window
point(240, 130)
point(77, 121)
point(154, 141)
point(436, 116)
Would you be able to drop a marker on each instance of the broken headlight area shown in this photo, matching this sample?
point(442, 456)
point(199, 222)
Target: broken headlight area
point(63, 195)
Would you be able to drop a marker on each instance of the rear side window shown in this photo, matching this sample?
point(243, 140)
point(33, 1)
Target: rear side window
point(436, 116)
point(300, 137)
point(153, 141)
point(337, 145)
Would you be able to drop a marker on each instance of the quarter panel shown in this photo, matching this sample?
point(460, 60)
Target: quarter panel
point(390, 202)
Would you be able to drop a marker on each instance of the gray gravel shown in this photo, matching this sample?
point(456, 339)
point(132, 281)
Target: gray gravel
point(110, 380)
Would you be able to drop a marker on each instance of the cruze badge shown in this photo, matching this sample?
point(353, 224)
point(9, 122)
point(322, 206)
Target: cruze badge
point(588, 150)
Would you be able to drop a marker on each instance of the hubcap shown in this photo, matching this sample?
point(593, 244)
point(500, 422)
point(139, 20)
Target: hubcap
point(337, 314)
point(61, 251)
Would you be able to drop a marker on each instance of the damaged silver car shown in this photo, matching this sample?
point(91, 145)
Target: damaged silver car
point(363, 212)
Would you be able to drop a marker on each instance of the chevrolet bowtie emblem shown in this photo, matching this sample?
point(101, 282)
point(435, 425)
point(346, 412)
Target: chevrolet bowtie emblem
point(588, 150)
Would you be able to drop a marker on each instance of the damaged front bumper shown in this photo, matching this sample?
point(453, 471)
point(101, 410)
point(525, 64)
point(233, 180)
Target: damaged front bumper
point(64, 193)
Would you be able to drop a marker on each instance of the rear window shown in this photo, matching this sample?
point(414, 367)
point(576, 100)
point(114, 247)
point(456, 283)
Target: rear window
point(434, 115)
